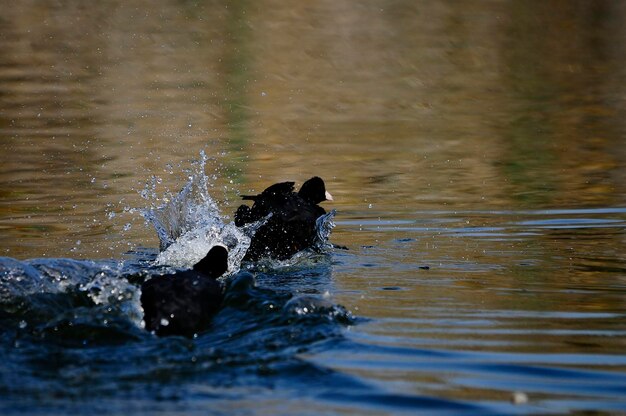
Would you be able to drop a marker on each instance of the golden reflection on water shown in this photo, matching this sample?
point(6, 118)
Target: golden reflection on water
point(492, 104)
point(407, 105)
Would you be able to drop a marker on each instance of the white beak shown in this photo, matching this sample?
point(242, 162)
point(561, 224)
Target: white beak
point(328, 196)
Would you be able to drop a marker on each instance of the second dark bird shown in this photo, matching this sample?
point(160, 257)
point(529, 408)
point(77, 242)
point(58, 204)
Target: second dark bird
point(183, 303)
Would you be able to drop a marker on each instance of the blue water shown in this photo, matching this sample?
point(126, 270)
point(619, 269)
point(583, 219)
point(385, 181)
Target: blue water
point(445, 313)
point(71, 341)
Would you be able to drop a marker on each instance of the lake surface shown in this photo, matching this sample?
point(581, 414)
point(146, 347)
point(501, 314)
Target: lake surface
point(476, 152)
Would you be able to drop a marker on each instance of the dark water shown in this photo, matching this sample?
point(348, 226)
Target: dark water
point(476, 153)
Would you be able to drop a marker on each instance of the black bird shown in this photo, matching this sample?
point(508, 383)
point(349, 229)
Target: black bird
point(184, 303)
point(291, 228)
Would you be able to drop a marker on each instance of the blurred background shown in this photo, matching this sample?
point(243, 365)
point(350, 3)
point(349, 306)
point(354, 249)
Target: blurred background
point(401, 106)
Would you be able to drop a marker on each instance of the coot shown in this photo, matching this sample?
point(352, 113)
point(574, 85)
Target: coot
point(184, 303)
point(291, 228)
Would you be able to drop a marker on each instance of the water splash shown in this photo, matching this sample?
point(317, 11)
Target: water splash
point(174, 215)
point(27, 287)
point(192, 246)
point(189, 223)
point(323, 227)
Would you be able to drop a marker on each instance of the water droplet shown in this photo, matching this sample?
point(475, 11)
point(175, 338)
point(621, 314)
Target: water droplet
point(164, 322)
point(263, 94)
point(519, 397)
point(370, 206)
point(23, 324)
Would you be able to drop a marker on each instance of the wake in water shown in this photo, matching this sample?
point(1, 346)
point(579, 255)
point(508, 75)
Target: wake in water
point(48, 294)
point(73, 331)
point(77, 302)
point(57, 293)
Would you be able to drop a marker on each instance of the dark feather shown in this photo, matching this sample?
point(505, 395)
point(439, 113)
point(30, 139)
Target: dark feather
point(291, 228)
point(183, 303)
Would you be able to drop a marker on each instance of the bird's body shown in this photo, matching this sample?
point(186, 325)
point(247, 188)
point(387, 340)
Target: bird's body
point(183, 303)
point(180, 304)
point(291, 227)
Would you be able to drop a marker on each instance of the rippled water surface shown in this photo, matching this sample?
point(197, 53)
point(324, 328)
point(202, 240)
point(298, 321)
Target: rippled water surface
point(476, 152)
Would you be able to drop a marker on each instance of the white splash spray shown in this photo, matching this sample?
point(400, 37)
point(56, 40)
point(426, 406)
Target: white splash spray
point(190, 223)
